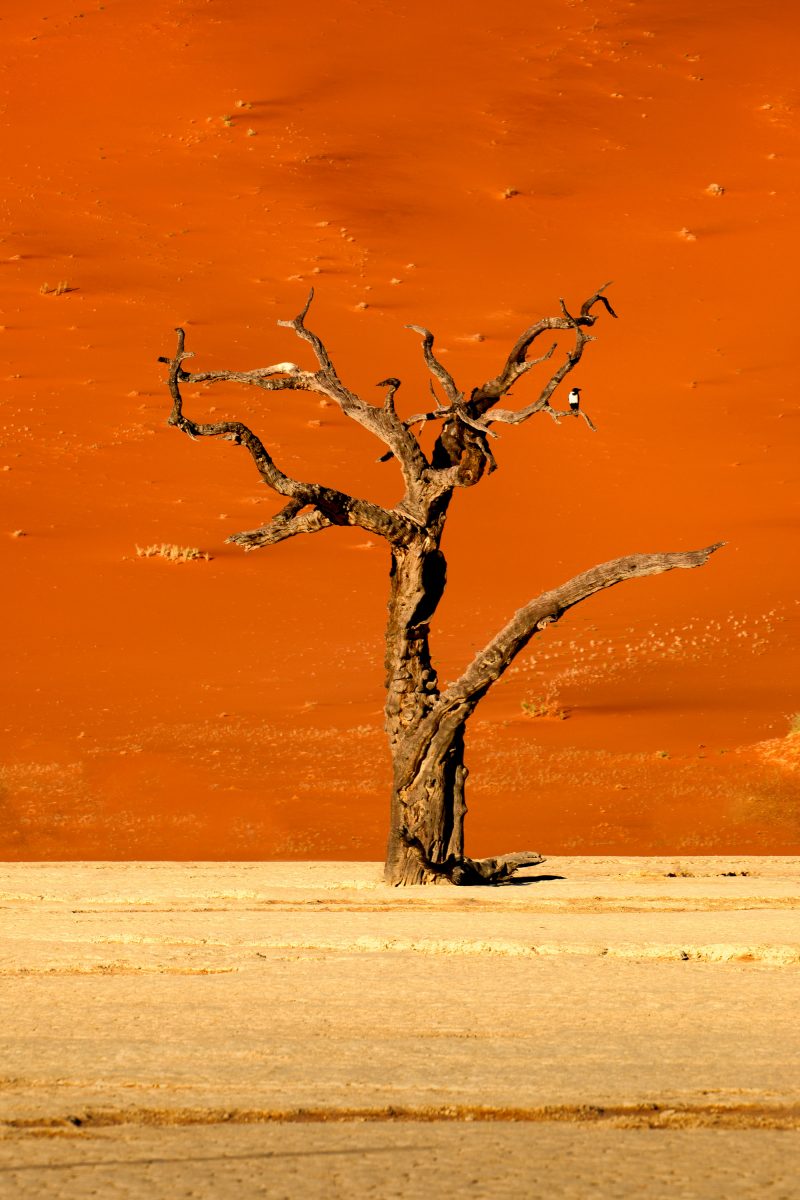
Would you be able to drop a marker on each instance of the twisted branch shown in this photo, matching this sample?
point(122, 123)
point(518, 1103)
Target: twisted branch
point(437, 369)
point(291, 520)
point(462, 453)
point(323, 358)
point(491, 662)
point(338, 508)
point(461, 459)
point(455, 705)
point(517, 364)
point(383, 422)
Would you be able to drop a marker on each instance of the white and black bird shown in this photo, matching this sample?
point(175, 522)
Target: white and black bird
point(574, 399)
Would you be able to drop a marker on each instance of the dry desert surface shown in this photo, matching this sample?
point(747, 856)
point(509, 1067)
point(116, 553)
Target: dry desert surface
point(604, 1026)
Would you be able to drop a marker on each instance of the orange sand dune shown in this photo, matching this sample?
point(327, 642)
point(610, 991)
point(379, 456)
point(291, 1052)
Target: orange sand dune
point(202, 163)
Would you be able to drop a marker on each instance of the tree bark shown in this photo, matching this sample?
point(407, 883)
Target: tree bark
point(427, 814)
point(427, 795)
point(426, 741)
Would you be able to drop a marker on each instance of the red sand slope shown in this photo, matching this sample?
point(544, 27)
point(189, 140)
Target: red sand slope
point(201, 163)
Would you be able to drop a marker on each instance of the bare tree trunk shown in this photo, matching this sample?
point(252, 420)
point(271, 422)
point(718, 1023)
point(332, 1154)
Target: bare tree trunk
point(426, 739)
point(427, 792)
point(427, 812)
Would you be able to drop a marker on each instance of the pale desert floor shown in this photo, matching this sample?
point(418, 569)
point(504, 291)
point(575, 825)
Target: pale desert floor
point(619, 1027)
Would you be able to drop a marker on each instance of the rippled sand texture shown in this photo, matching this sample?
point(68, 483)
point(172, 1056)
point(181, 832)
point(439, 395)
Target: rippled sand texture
point(619, 1027)
point(204, 162)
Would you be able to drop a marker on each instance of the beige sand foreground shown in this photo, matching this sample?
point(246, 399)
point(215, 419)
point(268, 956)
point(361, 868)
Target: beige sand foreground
point(212, 1030)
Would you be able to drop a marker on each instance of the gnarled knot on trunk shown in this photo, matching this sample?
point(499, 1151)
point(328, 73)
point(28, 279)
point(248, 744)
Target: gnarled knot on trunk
point(472, 872)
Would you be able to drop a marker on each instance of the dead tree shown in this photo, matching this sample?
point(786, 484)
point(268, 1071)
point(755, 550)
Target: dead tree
point(425, 723)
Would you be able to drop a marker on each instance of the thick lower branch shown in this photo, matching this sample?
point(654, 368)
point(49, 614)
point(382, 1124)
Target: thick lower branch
point(457, 703)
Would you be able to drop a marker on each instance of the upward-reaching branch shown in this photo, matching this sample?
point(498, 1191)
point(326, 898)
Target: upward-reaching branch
point(517, 364)
point(462, 454)
point(323, 358)
point(492, 661)
point(436, 368)
point(382, 422)
point(458, 701)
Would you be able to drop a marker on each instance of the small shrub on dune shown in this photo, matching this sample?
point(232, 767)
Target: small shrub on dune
point(173, 553)
point(59, 289)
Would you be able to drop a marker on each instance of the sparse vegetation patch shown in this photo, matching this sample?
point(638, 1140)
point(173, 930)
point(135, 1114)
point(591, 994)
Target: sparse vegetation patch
point(172, 553)
point(58, 289)
point(544, 706)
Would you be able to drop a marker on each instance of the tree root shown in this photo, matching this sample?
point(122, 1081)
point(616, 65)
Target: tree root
point(473, 872)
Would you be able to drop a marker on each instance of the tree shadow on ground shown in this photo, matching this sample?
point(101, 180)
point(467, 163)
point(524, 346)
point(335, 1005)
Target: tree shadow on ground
point(516, 881)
